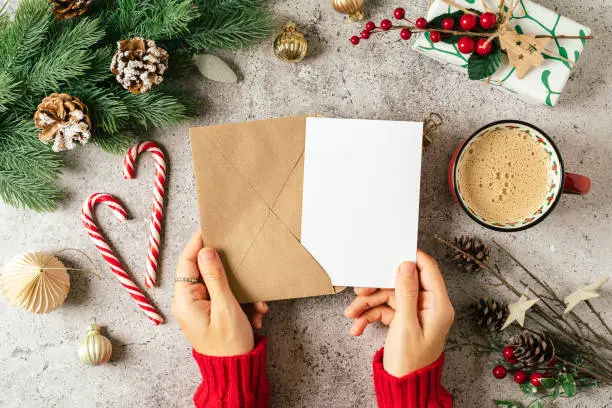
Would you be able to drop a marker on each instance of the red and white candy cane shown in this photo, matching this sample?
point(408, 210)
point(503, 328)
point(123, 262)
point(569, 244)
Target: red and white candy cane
point(158, 200)
point(109, 256)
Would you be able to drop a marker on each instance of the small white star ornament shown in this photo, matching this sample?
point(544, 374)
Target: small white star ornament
point(517, 311)
point(585, 293)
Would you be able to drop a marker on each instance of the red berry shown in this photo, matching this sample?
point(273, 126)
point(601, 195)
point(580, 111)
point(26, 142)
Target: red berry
point(365, 34)
point(509, 354)
point(467, 21)
point(354, 40)
point(448, 23)
point(420, 22)
point(499, 372)
point(488, 20)
point(535, 379)
point(370, 26)
point(520, 377)
point(386, 24)
point(466, 45)
point(435, 36)
point(553, 362)
point(405, 34)
point(484, 47)
point(399, 13)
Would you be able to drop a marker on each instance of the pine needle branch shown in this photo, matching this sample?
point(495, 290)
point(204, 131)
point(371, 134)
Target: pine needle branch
point(158, 108)
point(108, 111)
point(227, 29)
point(24, 35)
point(22, 192)
point(9, 91)
point(116, 143)
point(40, 163)
point(67, 55)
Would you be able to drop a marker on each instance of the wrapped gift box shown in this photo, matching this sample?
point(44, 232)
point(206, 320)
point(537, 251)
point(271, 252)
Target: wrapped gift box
point(543, 84)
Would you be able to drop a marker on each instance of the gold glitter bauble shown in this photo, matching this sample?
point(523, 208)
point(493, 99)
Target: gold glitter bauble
point(290, 45)
point(354, 8)
point(95, 349)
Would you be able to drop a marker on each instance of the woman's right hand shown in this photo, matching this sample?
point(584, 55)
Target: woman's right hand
point(418, 311)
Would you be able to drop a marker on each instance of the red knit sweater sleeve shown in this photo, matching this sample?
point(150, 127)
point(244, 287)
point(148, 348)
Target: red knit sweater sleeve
point(234, 382)
point(420, 389)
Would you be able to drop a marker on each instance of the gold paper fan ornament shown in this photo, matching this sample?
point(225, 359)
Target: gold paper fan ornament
point(36, 282)
point(290, 45)
point(354, 8)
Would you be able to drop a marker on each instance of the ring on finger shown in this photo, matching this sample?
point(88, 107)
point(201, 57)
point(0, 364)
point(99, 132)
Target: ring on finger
point(190, 280)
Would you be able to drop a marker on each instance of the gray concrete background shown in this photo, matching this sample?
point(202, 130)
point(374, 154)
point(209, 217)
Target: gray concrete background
point(313, 362)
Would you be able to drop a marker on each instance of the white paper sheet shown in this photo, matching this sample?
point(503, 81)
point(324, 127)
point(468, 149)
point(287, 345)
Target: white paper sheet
point(360, 204)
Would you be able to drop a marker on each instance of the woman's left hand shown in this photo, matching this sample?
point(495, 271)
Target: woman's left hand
point(209, 314)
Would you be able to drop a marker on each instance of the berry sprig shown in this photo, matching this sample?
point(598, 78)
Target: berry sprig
point(471, 31)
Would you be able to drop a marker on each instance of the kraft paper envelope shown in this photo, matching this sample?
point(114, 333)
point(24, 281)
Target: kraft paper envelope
point(249, 183)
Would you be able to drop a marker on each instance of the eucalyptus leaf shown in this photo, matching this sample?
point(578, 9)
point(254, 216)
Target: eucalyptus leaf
point(214, 68)
point(507, 404)
point(483, 66)
point(529, 389)
point(555, 394)
point(536, 404)
point(548, 382)
point(568, 384)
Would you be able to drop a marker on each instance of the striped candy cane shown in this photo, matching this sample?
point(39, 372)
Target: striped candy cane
point(158, 200)
point(109, 256)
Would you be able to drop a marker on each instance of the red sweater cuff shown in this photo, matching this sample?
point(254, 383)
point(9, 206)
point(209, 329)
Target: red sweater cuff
point(420, 389)
point(234, 382)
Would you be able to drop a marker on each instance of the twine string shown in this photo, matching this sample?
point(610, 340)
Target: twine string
point(94, 272)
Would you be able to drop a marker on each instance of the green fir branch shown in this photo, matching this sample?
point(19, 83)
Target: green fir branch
point(228, 4)
point(115, 143)
point(152, 19)
point(23, 37)
point(108, 111)
point(100, 64)
point(9, 91)
point(157, 108)
point(32, 193)
point(227, 29)
point(67, 55)
point(37, 163)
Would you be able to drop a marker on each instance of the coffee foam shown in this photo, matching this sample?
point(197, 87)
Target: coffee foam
point(504, 175)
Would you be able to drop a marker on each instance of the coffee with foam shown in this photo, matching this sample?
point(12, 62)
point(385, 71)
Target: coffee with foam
point(504, 175)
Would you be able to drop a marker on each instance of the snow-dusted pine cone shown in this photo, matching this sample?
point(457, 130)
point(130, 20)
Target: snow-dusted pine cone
point(63, 119)
point(67, 9)
point(139, 64)
point(533, 349)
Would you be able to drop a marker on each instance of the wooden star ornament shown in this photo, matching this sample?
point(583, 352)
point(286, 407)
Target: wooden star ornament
point(518, 310)
point(524, 50)
point(585, 293)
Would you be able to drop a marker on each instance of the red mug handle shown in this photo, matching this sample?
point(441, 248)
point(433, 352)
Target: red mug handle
point(576, 184)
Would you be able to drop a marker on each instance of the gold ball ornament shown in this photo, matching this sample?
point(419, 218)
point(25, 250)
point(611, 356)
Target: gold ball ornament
point(95, 349)
point(354, 8)
point(290, 45)
point(36, 282)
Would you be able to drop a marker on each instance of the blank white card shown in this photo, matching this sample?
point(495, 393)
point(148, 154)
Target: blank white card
point(360, 204)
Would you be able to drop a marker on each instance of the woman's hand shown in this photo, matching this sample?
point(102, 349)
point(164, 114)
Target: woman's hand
point(209, 314)
point(418, 312)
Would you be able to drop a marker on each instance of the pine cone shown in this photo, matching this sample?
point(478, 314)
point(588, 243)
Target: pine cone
point(139, 64)
point(67, 9)
point(533, 349)
point(491, 314)
point(63, 120)
point(474, 247)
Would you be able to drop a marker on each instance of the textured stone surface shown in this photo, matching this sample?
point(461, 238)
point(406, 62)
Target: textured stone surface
point(312, 360)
